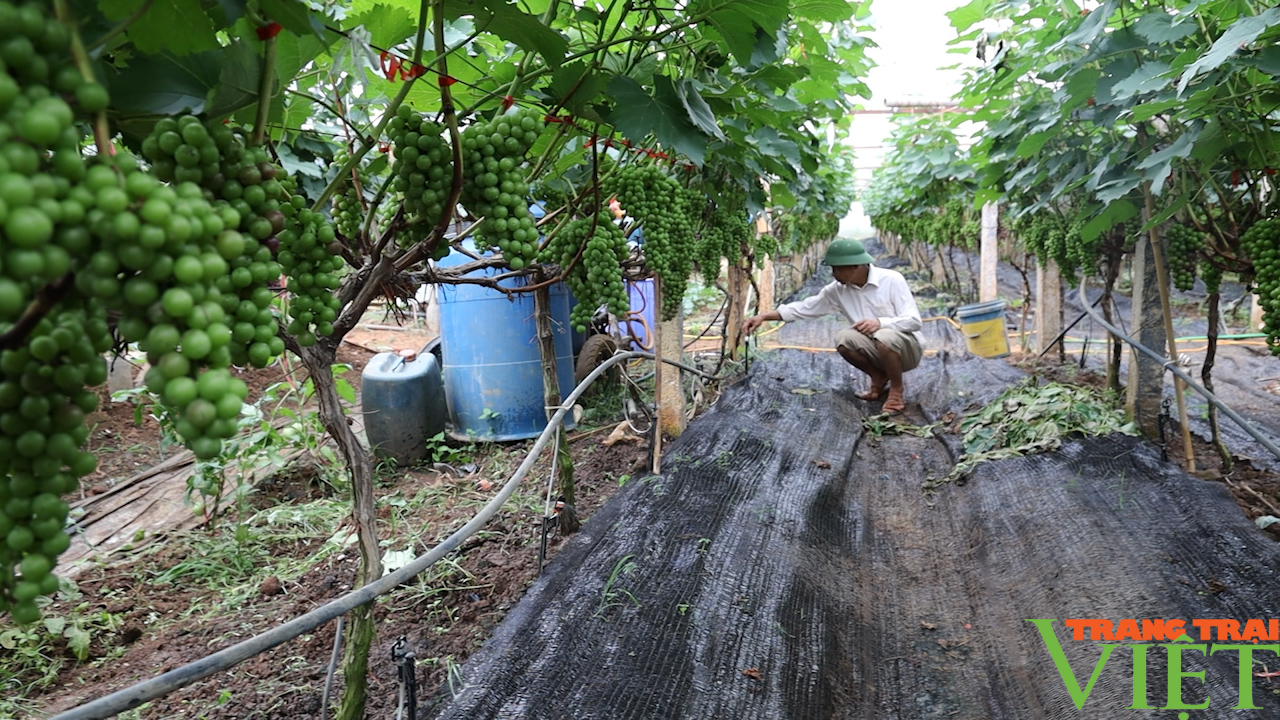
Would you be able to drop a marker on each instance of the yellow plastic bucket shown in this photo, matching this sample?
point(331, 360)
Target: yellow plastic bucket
point(983, 328)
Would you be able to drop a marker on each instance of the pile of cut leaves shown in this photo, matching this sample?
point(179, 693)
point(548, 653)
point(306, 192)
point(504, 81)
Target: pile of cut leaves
point(1029, 418)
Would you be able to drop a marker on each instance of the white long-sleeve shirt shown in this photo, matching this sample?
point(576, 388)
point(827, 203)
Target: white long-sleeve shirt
point(886, 297)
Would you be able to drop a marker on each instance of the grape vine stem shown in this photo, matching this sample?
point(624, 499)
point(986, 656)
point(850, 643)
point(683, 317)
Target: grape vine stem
point(101, 128)
point(46, 300)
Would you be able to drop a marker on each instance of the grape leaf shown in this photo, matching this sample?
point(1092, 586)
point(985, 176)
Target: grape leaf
point(345, 390)
point(179, 26)
point(575, 86)
point(1151, 77)
point(513, 25)
point(699, 112)
point(388, 25)
point(638, 115)
point(827, 10)
point(964, 17)
point(1240, 34)
point(165, 84)
point(1160, 27)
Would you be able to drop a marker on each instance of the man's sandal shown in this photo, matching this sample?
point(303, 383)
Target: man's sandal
point(894, 404)
point(874, 393)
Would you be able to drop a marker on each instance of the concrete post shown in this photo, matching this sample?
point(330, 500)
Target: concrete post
point(1255, 314)
point(990, 244)
point(1048, 304)
point(671, 418)
point(738, 285)
point(1146, 377)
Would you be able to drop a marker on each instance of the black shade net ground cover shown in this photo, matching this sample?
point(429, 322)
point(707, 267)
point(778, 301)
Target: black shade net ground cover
point(788, 565)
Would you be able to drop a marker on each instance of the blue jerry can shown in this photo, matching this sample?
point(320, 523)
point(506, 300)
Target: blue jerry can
point(402, 398)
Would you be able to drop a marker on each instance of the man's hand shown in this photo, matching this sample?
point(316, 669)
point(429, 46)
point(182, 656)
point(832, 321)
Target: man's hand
point(867, 327)
point(752, 323)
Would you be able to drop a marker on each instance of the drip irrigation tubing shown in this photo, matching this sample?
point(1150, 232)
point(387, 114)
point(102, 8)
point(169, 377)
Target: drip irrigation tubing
point(1182, 375)
point(161, 685)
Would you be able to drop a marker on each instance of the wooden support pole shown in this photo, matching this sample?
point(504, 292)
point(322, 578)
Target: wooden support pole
point(990, 249)
point(765, 283)
point(563, 461)
point(1255, 314)
point(1162, 275)
point(1048, 304)
point(737, 286)
point(1146, 377)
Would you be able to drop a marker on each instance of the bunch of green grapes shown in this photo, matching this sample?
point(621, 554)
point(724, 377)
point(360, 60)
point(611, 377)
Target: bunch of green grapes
point(596, 280)
point(662, 206)
point(348, 210)
point(1262, 243)
point(45, 236)
point(763, 244)
point(1183, 254)
point(784, 228)
point(43, 402)
point(162, 252)
point(1212, 276)
point(495, 187)
point(829, 225)
point(313, 270)
point(213, 156)
point(252, 196)
point(423, 168)
point(1080, 253)
point(727, 231)
point(1045, 236)
point(552, 193)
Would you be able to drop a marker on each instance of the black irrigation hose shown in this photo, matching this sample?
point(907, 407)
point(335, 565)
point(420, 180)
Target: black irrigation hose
point(1168, 365)
point(133, 696)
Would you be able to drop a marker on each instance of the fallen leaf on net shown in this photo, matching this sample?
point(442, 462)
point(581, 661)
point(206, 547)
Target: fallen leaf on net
point(928, 625)
point(822, 464)
point(753, 673)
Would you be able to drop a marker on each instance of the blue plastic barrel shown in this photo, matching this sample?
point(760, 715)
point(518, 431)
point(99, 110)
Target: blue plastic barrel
point(492, 363)
point(403, 403)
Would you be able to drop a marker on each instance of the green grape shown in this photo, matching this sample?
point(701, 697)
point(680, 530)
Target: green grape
point(348, 208)
point(252, 206)
point(665, 212)
point(1212, 276)
point(1185, 245)
point(592, 248)
point(51, 207)
point(494, 183)
point(423, 171)
point(1261, 242)
point(314, 274)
